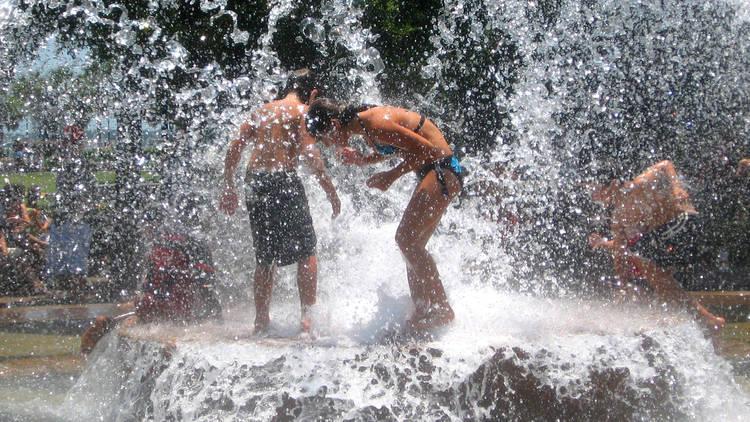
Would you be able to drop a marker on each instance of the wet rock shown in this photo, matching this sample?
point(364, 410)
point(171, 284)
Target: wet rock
point(395, 383)
point(317, 407)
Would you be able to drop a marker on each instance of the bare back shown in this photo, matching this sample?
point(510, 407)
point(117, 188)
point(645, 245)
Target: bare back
point(380, 117)
point(274, 132)
point(653, 198)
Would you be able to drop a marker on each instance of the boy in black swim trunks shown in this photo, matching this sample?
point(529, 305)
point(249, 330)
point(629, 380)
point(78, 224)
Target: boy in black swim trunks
point(280, 219)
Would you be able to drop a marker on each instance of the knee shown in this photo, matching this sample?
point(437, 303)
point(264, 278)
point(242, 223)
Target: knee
point(407, 243)
point(403, 240)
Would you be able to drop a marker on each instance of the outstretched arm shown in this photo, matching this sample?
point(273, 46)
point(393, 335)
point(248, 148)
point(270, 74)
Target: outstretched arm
point(228, 200)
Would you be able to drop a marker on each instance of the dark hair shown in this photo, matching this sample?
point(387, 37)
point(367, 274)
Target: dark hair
point(301, 81)
point(323, 110)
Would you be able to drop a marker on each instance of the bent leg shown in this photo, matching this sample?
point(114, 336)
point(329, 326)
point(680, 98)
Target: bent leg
point(669, 290)
point(307, 283)
point(419, 222)
point(262, 289)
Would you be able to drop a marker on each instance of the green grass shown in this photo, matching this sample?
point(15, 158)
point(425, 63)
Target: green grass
point(13, 345)
point(46, 180)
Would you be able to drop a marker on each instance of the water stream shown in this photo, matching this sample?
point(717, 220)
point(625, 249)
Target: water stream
point(535, 338)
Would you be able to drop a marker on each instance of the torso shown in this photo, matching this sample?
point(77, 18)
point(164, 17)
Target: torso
point(409, 120)
point(277, 136)
point(649, 201)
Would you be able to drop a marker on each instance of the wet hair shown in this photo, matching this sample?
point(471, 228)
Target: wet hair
point(323, 110)
point(301, 81)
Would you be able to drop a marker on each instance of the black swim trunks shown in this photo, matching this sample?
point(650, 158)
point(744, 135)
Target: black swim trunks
point(678, 245)
point(280, 218)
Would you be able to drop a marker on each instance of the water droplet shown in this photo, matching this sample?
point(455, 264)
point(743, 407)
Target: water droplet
point(313, 30)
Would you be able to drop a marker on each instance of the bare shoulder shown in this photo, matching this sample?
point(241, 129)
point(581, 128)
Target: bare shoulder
point(386, 113)
point(388, 117)
point(743, 168)
point(660, 175)
point(663, 168)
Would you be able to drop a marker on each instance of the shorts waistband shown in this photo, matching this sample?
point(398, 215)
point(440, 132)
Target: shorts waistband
point(251, 174)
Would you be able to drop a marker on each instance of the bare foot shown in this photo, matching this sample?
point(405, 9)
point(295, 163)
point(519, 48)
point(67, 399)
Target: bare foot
point(435, 317)
point(305, 318)
point(99, 327)
point(715, 324)
point(260, 329)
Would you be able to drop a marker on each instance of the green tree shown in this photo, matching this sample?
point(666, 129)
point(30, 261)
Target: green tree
point(161, 49)
point(53, 99)
point(155, 50)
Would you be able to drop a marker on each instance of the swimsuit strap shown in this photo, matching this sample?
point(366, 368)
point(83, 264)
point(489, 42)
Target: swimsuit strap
point(451, 163)
point(421, 122)
point(676, 226)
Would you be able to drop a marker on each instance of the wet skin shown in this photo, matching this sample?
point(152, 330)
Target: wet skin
point(650, 200)
point(280, 141)
point(393, 126)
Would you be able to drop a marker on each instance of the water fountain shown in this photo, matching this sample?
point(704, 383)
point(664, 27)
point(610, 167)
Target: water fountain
point(533, 339)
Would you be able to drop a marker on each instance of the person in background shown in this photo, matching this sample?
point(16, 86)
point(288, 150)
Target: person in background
point(19, 159)
point(74, 179)
point(657, 236)
point(179, 282)
point(282, 227)
point(18, 255)
point(70, 234)
point(410, 136)
point(67, 260)
point(39, 221)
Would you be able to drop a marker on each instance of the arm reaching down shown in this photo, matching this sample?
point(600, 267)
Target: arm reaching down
point(313, 160)
point(228, 201)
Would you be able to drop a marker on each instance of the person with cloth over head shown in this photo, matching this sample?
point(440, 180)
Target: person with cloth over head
point(410, 136)
point(282, 227)
point(180, 277)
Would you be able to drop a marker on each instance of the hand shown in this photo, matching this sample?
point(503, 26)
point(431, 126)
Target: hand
point(350, 156)
point(228, 201)
point(335, 204)
point(595, 240)
point(612, 246)
point(313, 94)
point(381, 181)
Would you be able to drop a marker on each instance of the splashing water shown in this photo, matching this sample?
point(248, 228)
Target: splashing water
point(574, 90)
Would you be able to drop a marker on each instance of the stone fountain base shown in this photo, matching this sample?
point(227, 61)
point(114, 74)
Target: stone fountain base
point(218, 372)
